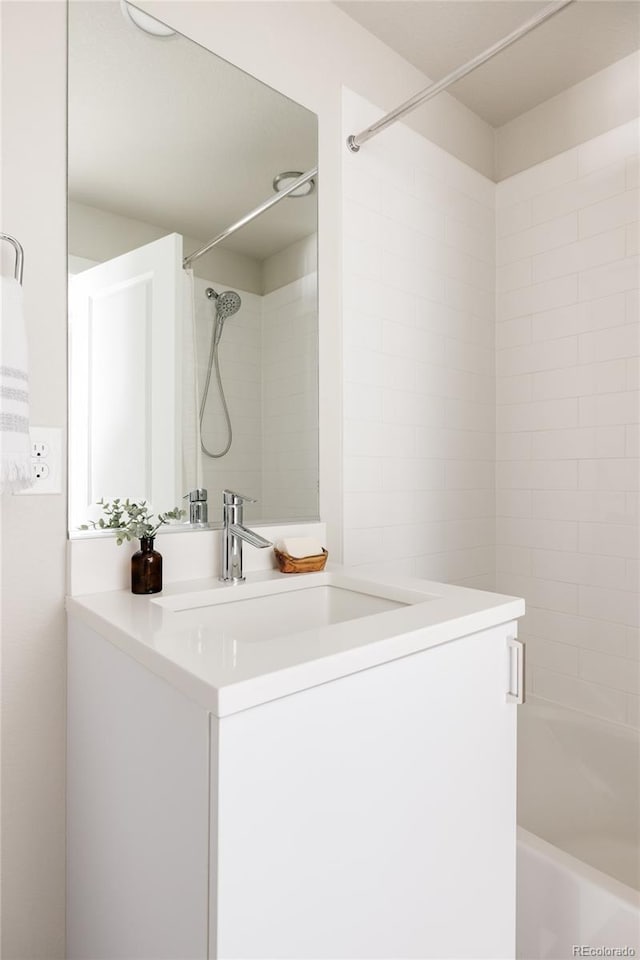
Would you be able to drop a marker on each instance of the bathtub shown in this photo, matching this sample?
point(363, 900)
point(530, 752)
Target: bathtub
point(579, 833)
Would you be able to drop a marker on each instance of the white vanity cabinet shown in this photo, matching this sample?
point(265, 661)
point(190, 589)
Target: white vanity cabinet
point(369, 816)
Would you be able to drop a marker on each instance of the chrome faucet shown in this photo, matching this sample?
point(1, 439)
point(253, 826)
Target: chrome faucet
point(233, 534)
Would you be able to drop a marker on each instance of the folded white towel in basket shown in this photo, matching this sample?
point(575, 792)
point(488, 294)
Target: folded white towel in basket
point(300, 547)
point(15, 444)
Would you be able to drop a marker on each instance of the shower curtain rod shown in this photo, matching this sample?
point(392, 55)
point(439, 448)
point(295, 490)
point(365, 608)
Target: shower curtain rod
point(271, 202)
point(354, 142)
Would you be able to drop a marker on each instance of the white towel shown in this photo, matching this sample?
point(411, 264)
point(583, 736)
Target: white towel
point(300, 547)
point(15, 444)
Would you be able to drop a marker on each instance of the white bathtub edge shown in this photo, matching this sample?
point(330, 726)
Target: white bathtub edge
point(582, 871)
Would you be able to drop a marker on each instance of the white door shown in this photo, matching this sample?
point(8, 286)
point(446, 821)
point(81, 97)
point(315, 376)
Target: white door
point(124, 417)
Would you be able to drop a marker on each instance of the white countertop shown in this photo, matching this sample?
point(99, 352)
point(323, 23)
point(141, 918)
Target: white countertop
point(175, 634)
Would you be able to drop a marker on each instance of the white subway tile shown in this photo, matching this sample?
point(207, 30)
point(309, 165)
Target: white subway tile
point(513, 333)
point(368, 439)
point(363, 546)
point(581, 255)
point(610, 671)
point(556, 384)
point(604, 312)
point(538, 415)
point(571, 567)
point(632, 442)
point(543, 237)
point(362, 401)
point(516, 389)
point(577, 631)
point(513, 503)
point(548, 295)
point(361, 330)
point(511, 276)
point(514, 218)
point(513, 560)
point(633, 239)
point(556, 324)
point(615, 144)
point(621, 275)
point(616, 211)
point(550, 594)
point(609, 409)
point(403, 406)
point(590, 506)
point(537, 475)
point(415, 473)
point(609, 376)
point(538, 179)
point(610, 539)
point(362, 473)
point(544, 355)
point(469, 475)
point(513, 446)
point(580, 695)
point(579, 193)
point(609, 344)
point(573, 444)
point(553, 656)
point(609, 475)
point(536, 533)
point(633, 711)
point(632, 171)
point(606, 604)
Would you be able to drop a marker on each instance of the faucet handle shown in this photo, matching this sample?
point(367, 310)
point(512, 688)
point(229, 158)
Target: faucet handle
point(231, 497)
point(196, 496)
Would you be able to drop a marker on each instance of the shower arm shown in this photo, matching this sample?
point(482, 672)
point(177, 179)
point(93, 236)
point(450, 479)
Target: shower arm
point(243, 221)
point(355, 141)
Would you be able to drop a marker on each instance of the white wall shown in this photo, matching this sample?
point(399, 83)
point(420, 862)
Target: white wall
point(418, 358)
point(603, 101)
point(34, 528)
point(568, 341)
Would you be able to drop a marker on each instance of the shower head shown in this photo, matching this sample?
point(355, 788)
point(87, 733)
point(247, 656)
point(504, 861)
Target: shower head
point(227, 303)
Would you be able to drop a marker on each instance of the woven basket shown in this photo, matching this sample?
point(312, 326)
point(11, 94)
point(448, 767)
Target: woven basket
point(287, 564)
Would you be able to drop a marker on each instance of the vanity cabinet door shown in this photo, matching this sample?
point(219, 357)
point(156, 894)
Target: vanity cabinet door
point(373, 816)
point(137, 810)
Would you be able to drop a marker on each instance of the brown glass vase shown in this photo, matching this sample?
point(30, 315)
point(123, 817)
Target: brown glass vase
point(146, 568)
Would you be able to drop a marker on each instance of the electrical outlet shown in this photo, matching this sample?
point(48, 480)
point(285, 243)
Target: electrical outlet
point(39, 449)
point(39, 470)
point(46, 461)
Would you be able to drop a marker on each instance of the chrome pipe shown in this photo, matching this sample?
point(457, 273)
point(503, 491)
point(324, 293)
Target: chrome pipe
point(17, 246)
point(354, 142)
point(271, 202)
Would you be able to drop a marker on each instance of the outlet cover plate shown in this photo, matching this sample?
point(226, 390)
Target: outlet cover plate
point(51, 438)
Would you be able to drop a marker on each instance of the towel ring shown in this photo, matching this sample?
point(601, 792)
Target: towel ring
point(17, 246)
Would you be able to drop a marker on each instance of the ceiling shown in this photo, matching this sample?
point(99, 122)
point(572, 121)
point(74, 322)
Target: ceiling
point(437, 36)
point(164, 131)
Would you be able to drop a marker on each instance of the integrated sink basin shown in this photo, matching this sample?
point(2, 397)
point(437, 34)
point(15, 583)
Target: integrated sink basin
point(233, 611)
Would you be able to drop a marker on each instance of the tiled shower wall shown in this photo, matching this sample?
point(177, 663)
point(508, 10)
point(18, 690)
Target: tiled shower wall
point(418, 351)
point(269, 364)
point(290, 400)
point(567, 338)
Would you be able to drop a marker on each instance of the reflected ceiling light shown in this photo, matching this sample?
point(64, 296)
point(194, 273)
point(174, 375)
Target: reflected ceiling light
point(284, 180)
point(144, 21)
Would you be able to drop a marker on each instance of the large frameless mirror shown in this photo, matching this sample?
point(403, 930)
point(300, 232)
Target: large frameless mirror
point(206, 377)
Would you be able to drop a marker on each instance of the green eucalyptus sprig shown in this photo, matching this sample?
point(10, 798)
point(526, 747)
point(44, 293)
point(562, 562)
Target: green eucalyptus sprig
point(132, 520)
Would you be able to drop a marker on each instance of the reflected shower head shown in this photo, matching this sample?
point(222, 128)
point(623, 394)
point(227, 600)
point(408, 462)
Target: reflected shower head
point(227, 303)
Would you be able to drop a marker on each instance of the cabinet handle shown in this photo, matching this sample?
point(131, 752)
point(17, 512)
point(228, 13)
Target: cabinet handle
point(516, 651)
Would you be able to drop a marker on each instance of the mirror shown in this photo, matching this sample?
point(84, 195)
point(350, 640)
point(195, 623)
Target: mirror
point(183, 379)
